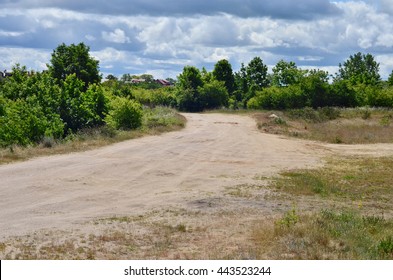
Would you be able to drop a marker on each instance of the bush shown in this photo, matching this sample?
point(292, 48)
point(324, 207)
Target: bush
point(278, 98)
point(124, 114)
point(213, 95)
point(24, 124)
point(381, 98)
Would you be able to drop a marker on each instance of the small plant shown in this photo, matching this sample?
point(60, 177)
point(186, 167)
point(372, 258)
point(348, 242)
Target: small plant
point(280, 121)
point(181, 228)
point(338, 140)
point(290, 219)
point(366, 114)
point(385, 247)
point(330, 113)
point(385, 121)
point(48, 142)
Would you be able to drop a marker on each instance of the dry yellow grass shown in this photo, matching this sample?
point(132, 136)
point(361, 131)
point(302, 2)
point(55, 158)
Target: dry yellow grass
point(340, 126)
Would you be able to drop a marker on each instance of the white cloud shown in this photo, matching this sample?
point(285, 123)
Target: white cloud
point(117, 36)
point(33, 59)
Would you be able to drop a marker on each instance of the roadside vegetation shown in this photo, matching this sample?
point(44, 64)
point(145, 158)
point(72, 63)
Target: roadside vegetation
point(325, 235)
point(362, 125)
point(67, 108)
point(154, 121)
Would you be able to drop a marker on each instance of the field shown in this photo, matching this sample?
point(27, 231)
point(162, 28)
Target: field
point(228, 186)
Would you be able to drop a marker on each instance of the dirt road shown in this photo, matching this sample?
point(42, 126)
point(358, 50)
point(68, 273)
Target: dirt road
point(213, 152)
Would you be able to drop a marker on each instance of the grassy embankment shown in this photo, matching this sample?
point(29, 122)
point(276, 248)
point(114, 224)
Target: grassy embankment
point(338, 126)
point(155, 121)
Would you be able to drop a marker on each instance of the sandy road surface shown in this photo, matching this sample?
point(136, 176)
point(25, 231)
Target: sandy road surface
point(213, 152)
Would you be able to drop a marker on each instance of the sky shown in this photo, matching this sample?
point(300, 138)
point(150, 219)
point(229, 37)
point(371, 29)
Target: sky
point(161, 37)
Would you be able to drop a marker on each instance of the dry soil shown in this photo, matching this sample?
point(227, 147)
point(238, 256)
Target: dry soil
point(187, 169)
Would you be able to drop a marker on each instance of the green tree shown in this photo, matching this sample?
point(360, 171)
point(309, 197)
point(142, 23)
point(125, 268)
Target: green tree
point(360, 69)
point(79, 108)
point(390, 79)
point(190, 78)
point(241, 82)
point(256, 72)
point(286, 73)
point(316, 90)
point(187, 94)
point(223, 72)
point(111, 77)
point(207, 77)
point(74, 59)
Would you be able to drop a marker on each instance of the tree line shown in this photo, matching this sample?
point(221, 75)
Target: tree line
point(357, 83)
point(70, 96)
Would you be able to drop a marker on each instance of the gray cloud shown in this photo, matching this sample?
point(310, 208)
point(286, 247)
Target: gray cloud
point(300, 9)
point(161, 37)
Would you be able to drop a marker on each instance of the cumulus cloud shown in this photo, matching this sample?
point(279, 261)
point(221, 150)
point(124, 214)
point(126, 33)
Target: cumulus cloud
point(117, 36)
point(163, 36)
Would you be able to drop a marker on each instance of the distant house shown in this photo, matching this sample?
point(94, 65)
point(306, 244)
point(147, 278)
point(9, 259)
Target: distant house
point(5, 74)
point(137, 81)
point(164, 83)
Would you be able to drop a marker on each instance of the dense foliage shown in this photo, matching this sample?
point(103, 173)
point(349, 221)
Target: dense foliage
point(70, 96)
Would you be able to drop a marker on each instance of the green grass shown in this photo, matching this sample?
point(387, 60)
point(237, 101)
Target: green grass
point(326, 235)
point(364, 179)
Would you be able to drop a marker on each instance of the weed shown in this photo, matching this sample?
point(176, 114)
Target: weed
point(280, 121)
point(181, 228)
point(290, 219)
point(385, 121)
point(338, 140)
point(385, 247)
point(366, 114)
point(2, 247)
point(48, 142)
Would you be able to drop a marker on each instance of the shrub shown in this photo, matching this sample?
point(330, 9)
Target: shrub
point(213, 95)
point(381, 98)
point(23, 124)
point(278, 98)
point(124, 114)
